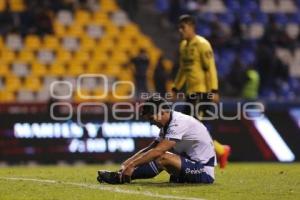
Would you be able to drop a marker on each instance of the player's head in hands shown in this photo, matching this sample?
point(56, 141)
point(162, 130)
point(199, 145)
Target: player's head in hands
point(157, 110)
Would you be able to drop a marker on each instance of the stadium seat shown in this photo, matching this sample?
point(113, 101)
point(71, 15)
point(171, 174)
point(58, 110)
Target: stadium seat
point(268, 6)
point(4, 69)
point(32, 83)
point(76, 30)
point(215, 6)
point(26, 55)
point(20, 69)
point(7, 96)
point(65, 17)
point(255, 31)
point(94, 31)
point(2, 5)
point(87, 43)
point(43, 95)
point(32, 42)
point(24, 96)
point(284, 55)
point(51, 42)
point(82, 17)
point(48, 80)
point(63, 55)
point(16, 5)
point(70, 43)
point(38, 69)
point(82, 56)
point(57, 69)
point(2, 83)
point(287, 6)
point(13, 83)
point(45, 56)
point(119, 18)
point(59, 29)
point(292, 30)
point(14, 42)
point(7, 56)
point(75, 68)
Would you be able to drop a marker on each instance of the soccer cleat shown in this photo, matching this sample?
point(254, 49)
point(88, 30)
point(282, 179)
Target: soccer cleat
point(223, 159)
point(112, 177)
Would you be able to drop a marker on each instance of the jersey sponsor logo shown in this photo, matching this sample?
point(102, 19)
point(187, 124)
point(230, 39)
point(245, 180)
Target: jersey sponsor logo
point(208, 54)
point(193, 171)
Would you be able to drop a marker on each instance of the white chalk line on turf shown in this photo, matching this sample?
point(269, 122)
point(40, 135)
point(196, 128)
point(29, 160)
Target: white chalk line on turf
point(99, 187)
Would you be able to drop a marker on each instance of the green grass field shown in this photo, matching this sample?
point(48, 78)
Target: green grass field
point(238, 181)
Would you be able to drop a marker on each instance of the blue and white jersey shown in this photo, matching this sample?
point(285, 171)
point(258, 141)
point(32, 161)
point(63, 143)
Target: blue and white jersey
point(192, 139)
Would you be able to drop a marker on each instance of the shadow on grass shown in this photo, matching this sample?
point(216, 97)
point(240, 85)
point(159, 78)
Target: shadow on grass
point(167, 184)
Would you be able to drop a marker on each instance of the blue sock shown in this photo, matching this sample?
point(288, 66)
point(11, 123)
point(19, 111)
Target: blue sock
point(148, 170)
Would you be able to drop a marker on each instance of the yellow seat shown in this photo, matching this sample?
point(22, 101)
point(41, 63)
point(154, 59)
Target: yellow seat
point(106, 44)
point(82, 56)
point(16, 5)
point(26, 56)
point(101, 18)
point(59, 29)
point(13, 83)
point(32, 42)
point(51, 42)
point(75, 31)
point(113, 69)
point(63, 55)
point(75, 68)
point(130, 29)
point(100, 57)
point(7, 96)
point(108, 6)
point(33, 83)
point(87, 44)
point(7, 56)
point(57, 69)
point(2, 5)
point(4, 69)
point(126, 45)
point(82, 17)
point(93, 66)
point(38, 69)
point(120, 57)
point(1, 41)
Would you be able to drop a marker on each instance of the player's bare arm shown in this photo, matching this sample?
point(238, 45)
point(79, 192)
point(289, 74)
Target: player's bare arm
point(154, 153)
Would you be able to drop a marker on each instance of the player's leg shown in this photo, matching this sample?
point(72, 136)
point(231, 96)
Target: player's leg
point(144, 171)
point(183, 170)
point(222, 151)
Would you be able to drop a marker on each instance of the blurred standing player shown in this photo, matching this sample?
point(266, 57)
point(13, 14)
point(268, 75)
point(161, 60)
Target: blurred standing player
point(197, 71)
point(184, 149)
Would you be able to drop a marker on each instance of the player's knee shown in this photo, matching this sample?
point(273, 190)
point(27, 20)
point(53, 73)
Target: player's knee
point(163, 160)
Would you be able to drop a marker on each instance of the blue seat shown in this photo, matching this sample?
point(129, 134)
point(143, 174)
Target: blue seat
point(294, 18)
point(260, 17)
point(233, 5)
point(248, 56)
point(245, 18)
point(280, 18)
point(227, 18)
point(204, 30)
point(249, 6)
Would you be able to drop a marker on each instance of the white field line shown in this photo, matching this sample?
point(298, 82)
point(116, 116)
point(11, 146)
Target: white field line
point(100, 187)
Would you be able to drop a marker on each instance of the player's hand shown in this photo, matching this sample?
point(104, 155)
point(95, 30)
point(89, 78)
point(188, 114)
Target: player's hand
point(216, 98)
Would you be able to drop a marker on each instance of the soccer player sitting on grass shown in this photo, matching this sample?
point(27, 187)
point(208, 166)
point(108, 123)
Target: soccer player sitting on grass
point(184, 149)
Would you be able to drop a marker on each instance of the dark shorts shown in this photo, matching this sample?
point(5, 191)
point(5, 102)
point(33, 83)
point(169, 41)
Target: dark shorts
point(192, 172)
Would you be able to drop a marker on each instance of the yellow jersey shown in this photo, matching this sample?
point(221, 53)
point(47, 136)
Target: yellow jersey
point(197, 69)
